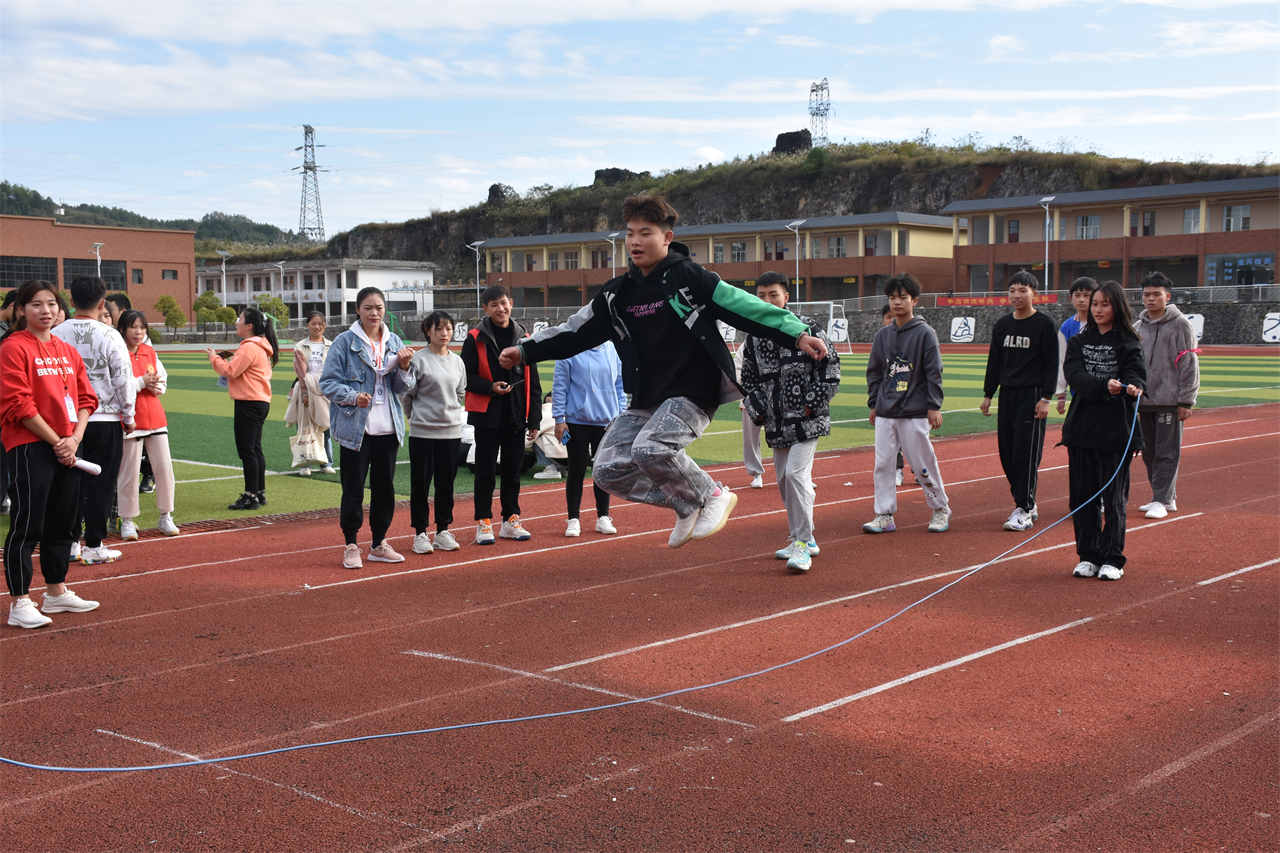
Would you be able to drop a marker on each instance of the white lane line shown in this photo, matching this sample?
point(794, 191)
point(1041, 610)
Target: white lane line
point(301, 792)
point(951, 664)
point(1238, 572)
point(828, 603)
point(588, 687)
point(1036, 838)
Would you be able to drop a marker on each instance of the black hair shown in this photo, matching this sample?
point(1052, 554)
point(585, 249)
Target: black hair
point(9, 297)
point(128, 318)
point(650, 207)
point(121, 301)
point(1122, 316)
point(264, 326)
point(316, 313)
point(905, 282)
point(87, 291)
point(434, 319)
point(1155, 278)
point(62, 302)
point(1024, 278)
point(23, 294)
point(366, 292)
point(884, 312)
point(1083, 283)
point(771, 278)
point(492, 292)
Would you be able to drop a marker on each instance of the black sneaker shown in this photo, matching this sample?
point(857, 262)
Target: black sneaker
point(247, 500)
point(148, 484)
point(261, 498)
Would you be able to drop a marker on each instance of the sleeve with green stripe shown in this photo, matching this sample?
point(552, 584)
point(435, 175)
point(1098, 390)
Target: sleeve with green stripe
point(744, 311)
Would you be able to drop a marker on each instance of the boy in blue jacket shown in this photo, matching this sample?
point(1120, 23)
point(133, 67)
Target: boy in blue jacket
point(661, 316)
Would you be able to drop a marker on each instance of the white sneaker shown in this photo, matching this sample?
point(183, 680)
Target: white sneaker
point(1085, 569)
point(303, 472)
point(715, 513)
point(683, 530)
point(604, 524)
point(1147, 506)
point(68, 602)
point(880, 524)
point(1019, 520)
point(128, 530)
point(548, 473)
point(757, 482)
point(166, 525)
point(897, 478)
point(1157, 510)
point(351, 557)
point(814, 550)
point(74, 553)
point(513, 529)
point(4, 505)
point(572, 528)
point(1035, 512)
point(422, 543)
point(800, 561)
point(940, 522)
point(784, 553)
point(101, 554)
point(328, 469)
point(384, 553)
point(23, 614)
point(484, 532)
point(446, 542)
point(1172, 506)
point(1109, 572)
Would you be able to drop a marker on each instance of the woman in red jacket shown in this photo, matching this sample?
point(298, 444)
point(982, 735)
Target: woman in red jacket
point(151, 430)
point(45, 403)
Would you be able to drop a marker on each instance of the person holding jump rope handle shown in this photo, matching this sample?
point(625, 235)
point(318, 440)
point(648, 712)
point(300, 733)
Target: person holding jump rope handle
point(45, 403)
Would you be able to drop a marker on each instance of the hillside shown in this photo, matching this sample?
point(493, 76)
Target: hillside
point(838, 179)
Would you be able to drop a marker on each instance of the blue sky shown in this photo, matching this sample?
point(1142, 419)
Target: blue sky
point(173, 108)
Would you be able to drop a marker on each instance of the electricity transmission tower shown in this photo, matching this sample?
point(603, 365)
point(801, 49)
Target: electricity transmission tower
point(819, 107)
point(310, 220)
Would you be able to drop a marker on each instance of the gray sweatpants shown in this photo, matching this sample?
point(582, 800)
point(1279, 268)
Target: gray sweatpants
point(751, 446)
point(641, 457)
point(1161, 450)
point(794, 468)
point(912, 435)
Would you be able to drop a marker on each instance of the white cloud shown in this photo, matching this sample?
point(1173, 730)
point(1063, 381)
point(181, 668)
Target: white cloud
point(1004, 47)
point(709, 154)
point(1184, 39)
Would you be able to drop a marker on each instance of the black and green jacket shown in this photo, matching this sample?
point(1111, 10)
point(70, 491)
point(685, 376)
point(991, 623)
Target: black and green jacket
point(697, 296)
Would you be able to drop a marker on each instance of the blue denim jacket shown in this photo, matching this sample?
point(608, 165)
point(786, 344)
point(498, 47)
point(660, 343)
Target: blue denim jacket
point(348, 372)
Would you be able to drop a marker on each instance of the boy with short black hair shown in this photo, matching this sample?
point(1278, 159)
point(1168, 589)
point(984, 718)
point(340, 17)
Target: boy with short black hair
point(661, 315)
point(1081, 292)
point(904, 394)
point(1173, 382)
point(503, 404)
point(789, 394)
point(1023, 364)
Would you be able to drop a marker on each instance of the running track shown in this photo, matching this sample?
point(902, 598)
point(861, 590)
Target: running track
point(1022, 709)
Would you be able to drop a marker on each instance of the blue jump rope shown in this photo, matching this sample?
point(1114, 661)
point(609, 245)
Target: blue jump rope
point(176, 765)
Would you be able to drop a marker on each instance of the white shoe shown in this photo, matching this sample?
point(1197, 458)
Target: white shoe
point(715, 513)
point(548, 473)
point(880, 524)
point(303, 472)
point(422, 543)
point(4, 505)
point(1035, 512)
point(940, 522)
point(68, 602)
point(23, 614)
point(604, 524)
point(484, 532)
point(800, 561)
point(1085, 569)
point(1019, 520)
point(351, 557)
point(74, 553)
point(1109, 572)
point(128, 530)
point(328, 469)
point(784, 553)
point(101, 554)
point(572, 528)
point(446, 542)
point(166, 525)
point(1172, 506)
point(1157, 511)
point(897, 478)
point(384, 553)
point(757, 482)
point(513, 529)
point(683, 530)
point(1147, 506)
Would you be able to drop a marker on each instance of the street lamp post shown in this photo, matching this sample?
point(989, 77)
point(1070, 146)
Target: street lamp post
point(794, 228)
point(1048, 233)
point(97, 251)
point(613, 249)
point(297, 290)
point(475, 248)
point(225, 254)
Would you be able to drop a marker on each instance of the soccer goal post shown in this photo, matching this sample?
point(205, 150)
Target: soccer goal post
point(830, 316)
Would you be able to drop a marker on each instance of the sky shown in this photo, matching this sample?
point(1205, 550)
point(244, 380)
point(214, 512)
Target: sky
point(174, 108)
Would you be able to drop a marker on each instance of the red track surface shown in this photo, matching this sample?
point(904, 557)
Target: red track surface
point(1149, 720)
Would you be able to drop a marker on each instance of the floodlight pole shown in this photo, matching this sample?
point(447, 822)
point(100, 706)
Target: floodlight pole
point(613, 250)
point(1048, 233)
point(475, 248)
point(297, 290)
point(794, 228)
point(225, 254)
point(97, 251)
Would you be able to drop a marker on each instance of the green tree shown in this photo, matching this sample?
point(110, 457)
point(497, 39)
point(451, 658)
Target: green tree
point(173, 316)
point(209, 299)
point(274, 306)
point(225, 315)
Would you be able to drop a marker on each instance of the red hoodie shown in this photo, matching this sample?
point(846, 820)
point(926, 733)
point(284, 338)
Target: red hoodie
point(36, 378)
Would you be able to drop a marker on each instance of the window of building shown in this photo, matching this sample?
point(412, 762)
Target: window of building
point(1133, 224)
point(717, 254)
point(530, 262)
point(1148, 223)
point(1235, 217)
point(1257, 268)
point(135, 276)
point(903, 245)
point(571, 260)
point(599, 259)
point(495, 262)
point(553, 261)
point(835, 247)
point(1015, 227)
point(738, 252)
point(1088, 226)
point(1191, 220)
point(780, 249)
point(14, 270)
point(869, 242)
point(113, 272)
point(169, 275)
point(815, 247)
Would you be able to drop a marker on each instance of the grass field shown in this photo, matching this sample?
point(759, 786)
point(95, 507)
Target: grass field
point(208, 470)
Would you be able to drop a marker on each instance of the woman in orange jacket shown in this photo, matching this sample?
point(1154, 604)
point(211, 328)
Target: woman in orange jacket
point(248, 375)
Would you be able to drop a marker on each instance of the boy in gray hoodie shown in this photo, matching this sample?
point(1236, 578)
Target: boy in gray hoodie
point(904, 393)
point(1173, 381)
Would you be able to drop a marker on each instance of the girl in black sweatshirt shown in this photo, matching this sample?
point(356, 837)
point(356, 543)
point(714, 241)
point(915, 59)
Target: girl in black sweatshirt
point(1106, 372)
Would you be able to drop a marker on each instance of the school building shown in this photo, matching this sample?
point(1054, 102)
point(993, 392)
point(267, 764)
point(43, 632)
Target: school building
point(145, 263)
point(839, 257)
point(322, 284)
point(1199, 234)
